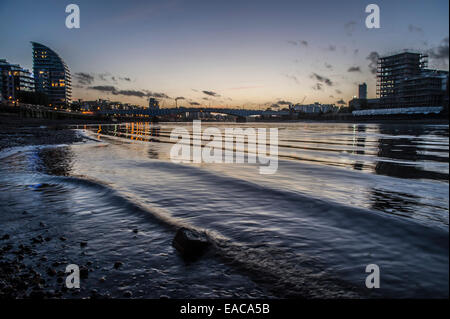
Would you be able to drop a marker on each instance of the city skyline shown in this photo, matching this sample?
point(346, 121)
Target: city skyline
point(225, 54)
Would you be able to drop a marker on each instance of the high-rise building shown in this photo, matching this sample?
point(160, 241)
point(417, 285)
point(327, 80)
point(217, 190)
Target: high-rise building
point(14, 79)
point(362, 91)
point(153, 103)
point(393, 69)
point(403, 80)
point(52, 76)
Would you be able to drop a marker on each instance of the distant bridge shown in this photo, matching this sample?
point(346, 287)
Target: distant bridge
point(170, 111)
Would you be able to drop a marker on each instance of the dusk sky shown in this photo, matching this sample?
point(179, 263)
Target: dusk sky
point(223, 53)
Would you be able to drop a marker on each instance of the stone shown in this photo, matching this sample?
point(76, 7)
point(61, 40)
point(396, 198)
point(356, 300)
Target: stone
point(84, 272)
point(191, 244)
point(51, 272)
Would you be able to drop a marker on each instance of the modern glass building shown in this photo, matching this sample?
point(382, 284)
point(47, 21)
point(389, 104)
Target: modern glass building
point(13, 79)
point(51, 75)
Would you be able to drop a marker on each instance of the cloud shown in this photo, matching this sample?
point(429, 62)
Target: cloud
point(282, 102)
point(104, 88)
point(211, 93)
point(338, 91)
point(373, 58)
point(293, 78)
point(413, 28)
point(303, 43)
point(331, 48)
point(440, 53)
point(322, 79)
point(341, 101)
point(103, 76)
point(136, 93)
point(84, 78)
point(354, 69)
point(350, 27)
point(158, 95)
point(179, 98)
point(328, 66)
point(318, 87)
point(108, 77)
point(194, 103)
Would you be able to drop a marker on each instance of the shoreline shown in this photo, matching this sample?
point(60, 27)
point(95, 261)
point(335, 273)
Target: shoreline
point(42, 235)
point(14, 120)
point(37, 242)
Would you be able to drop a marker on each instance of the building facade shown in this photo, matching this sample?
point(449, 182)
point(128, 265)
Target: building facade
point(153, 103)
point(362, 91)
point(13, 80)
point(403, 80)
point(52, 76)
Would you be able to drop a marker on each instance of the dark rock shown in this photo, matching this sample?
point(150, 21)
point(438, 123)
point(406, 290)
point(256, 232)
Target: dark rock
point(5, 237)
point(51, 272)
point(83, 244)
point(41, 224)
point(102, 279)
point(190, 243)
point(118, 264)
point(163, 297)
point(127, 294)
point(135, 230)
point(36, 240)
point(84, 272)
point(62, 238)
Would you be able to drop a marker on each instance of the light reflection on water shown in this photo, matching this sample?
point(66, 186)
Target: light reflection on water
point(344, 196)
point(327, 173)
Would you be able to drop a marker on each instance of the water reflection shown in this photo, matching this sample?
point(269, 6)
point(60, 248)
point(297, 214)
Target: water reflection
point(410, 147)
point(152, 153)
point(133, 131)
point(359, 143)
point(403, 151)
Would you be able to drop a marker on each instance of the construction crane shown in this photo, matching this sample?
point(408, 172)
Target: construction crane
point(303, 99)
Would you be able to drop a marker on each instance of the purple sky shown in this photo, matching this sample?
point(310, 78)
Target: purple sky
point(235, 53)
